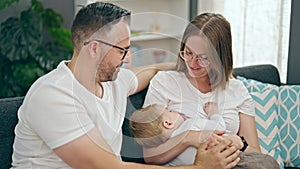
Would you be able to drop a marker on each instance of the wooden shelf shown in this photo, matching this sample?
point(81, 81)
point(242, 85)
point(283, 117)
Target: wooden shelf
point(152, 36)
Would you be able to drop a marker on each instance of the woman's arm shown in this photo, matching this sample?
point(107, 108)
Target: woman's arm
point(171, 148)
point(248, 130)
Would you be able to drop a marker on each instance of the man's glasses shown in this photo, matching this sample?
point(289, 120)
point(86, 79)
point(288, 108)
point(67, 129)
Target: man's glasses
point(125, 50)
point(202, 60)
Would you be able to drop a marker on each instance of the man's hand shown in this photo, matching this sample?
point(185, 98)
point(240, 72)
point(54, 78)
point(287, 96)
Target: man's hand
point(222, 155)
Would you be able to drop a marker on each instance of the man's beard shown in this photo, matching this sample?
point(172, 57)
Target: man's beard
point(106, 72)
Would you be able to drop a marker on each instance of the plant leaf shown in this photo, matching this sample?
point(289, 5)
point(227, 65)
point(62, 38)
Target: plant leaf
point(20, 37)
point(62, 36)
point(6, 3)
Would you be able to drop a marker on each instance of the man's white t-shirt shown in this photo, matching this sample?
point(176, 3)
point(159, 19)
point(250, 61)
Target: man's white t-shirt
point(58, 109)
point(173, 90)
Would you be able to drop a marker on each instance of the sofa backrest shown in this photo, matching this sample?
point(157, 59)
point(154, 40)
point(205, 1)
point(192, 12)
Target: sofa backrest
point(266, 73)
point(8, 121)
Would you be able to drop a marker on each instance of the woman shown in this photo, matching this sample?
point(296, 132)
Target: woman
point(204, 74)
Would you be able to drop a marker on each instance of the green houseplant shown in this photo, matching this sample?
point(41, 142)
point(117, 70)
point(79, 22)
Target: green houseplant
point(30, 46)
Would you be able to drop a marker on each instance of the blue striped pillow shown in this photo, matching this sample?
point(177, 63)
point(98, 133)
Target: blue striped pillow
point(254, 85)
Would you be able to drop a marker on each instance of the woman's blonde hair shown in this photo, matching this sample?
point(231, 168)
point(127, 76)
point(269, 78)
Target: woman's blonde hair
point(216, 31)
point(146, 126)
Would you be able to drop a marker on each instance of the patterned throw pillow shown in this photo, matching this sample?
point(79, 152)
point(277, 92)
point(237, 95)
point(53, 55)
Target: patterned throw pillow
point(289, 122)
point(266, 109)
point(288, 115)
point(254, 85)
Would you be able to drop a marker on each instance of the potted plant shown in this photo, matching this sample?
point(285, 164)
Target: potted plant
point(30, 46)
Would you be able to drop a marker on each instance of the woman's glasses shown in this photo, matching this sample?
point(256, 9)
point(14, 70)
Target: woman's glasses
point(202, 59)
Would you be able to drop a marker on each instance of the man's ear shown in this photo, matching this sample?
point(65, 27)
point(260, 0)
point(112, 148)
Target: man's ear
point(93, 50)
point(168, 124)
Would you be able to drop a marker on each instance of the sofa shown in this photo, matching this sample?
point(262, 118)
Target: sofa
point(265, 74)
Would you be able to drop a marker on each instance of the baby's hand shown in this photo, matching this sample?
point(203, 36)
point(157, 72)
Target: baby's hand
point(210, 108)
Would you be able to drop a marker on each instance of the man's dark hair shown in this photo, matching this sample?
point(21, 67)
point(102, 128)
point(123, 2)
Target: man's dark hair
point(92, 17)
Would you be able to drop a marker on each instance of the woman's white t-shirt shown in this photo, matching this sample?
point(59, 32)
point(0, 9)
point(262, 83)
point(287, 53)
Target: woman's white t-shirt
point(173, 90)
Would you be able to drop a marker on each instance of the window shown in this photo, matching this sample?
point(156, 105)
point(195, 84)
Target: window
point(260, 30)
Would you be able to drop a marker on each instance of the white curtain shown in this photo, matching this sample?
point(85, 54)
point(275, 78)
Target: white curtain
point(260, 30)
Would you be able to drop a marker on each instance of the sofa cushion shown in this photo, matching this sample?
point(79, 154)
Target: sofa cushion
point(289, 122)
point(8, 120)
point(131, 151)
point(288, 118)
point(266, 109)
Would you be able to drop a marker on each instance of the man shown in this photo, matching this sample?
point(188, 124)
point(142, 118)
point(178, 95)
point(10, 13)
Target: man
point(72, 117)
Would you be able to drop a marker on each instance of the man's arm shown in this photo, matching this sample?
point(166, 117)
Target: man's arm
point(145, 73)
point(91, 151)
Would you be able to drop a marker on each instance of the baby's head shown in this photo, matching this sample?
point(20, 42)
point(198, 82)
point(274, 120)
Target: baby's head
point(146, 126)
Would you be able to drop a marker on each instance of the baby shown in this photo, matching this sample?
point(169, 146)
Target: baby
point(154, 124)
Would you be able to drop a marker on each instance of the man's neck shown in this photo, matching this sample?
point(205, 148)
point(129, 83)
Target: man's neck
point(99, 90)
point(86, 76)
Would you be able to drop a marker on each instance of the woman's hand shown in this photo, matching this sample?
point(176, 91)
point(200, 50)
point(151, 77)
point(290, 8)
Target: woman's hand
point(236, 140)
point(195, 138)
